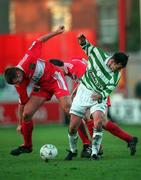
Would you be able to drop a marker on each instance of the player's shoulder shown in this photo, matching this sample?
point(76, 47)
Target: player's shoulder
point(79, 61)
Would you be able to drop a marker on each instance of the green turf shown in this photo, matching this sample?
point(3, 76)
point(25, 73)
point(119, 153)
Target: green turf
point(116, 164)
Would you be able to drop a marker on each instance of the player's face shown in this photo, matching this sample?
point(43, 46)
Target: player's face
point(114, 66)
point(19, 77)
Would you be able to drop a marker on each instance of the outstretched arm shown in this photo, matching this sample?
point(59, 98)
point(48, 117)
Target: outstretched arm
point(45, 37)
point(85, 44)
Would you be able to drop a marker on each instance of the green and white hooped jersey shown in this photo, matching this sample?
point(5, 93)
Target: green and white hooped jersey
point(98, 76)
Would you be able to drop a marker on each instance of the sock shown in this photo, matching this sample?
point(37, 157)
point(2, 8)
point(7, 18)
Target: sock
point(73, 142)
point(90, 125)
point(97, 139)
point(83, 133)
point(27, 128)
point(117, 131)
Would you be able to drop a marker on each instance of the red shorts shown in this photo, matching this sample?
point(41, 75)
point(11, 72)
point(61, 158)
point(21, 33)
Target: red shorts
point(57, 86)
point(108, 101)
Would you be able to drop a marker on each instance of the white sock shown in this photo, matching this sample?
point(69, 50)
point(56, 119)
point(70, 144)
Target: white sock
point(73, 142)
point(96, 142)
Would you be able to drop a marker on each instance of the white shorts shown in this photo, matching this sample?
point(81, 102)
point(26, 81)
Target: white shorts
point(83, 101)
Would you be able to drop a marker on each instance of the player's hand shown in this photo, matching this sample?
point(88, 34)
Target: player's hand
point(60, 29)
point(82, 39)
point(19, 129)
point(96, 97)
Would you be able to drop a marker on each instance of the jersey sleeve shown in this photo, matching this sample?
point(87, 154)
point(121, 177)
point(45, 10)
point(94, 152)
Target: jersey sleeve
point(29, 60)
point(35, 49)
point(111, 85)
point(22, 92)
point(93, 51)
point(107, 91)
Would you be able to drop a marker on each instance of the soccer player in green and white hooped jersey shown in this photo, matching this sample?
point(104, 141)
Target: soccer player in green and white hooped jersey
point(101, 77)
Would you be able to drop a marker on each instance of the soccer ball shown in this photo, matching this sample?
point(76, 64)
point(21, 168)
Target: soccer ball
point(48, 151)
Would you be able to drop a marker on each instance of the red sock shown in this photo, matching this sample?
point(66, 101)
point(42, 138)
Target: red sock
point(83, 134)
point(117, 131)
point(27, 128)
point(90, 125)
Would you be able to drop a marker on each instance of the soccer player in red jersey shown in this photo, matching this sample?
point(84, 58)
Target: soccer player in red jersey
point(75, 69)
point(47, 80)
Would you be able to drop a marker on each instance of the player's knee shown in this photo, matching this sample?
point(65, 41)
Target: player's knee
point(67, 107)
point(65, 103)
point(98, 124)
point(104, 123)
point(72, 130)
point(74, 125)
point(27, 116)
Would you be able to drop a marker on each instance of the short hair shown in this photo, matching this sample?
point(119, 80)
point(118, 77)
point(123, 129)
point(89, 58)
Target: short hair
point(56, 62)
point(120, 57)
point(10, 74)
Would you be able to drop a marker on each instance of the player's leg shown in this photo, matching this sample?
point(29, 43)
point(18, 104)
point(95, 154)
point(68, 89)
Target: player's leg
point(98, 112)
point(114, 129)
point(117, 131)
point(72, 136)
point(27, 125)
point(98, 117)
point(63, 95)
point(82, 132)
point(89, 122)
point(65, 102)
point(30, 108)
point(90, 126)
point(77, 111)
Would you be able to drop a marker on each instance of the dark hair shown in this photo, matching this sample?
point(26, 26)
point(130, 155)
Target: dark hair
point(120, 57)
point(10, 74)
point(56, 62)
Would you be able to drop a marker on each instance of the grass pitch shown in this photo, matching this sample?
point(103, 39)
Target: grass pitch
point(116, 164)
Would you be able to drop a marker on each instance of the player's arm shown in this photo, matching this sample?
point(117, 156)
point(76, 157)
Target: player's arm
point(20, 113)
point(23, 98)
point(109, 88)
point(104, 94)
point(111, 85)
point(46, 37)
point(74, 91)
point(107, 91)
point(91, 49)
point(85, 44)
point(22, 93)
point(36, 47)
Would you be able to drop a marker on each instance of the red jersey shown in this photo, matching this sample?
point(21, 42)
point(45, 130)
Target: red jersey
point(39, 72)
point(76, 68)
